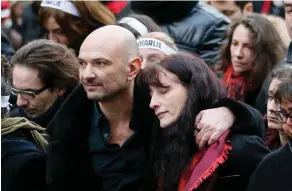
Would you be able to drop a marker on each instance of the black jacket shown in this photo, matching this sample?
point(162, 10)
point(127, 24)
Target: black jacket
point(69, 160)
point(262, 99)
point(6, 47)
point(195, 26)
point(274, 172)
point(23, 162)
point(31, 28)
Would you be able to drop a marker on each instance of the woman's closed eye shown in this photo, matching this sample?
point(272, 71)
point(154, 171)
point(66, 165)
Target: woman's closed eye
point(163, 90)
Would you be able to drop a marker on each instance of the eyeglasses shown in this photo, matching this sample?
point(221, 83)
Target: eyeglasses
point(283, 116)
point(28, 94)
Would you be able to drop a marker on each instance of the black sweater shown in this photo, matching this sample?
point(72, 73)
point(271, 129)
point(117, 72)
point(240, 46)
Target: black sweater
point(274, 172)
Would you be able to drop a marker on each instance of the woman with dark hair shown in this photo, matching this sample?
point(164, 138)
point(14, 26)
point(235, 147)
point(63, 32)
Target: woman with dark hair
point(180, 87)
point(275, 171)
point(254, 47)
point(275, 135)
point(139, 25)
point(69, 22)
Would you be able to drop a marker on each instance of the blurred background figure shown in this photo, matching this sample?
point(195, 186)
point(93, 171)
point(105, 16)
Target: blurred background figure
point(6, 21)
point(195, 26)
point(69, 22)
point(233, 9)
point(254, 48)
point(139, 24)
point(150, 53)
point(31, 27)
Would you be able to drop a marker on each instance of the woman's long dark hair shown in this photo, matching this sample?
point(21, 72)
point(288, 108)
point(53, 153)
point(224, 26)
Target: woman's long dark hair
point(174, 146)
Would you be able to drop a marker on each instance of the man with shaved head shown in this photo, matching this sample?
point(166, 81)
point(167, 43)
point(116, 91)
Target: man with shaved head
point(108, 131)
point(100, 138)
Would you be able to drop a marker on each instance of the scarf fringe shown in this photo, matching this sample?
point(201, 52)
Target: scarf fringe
point(213, 167)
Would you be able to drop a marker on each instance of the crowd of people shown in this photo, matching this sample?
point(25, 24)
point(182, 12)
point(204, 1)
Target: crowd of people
point(146, 95)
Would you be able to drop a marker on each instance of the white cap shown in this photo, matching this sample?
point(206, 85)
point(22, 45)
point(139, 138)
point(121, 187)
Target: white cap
point(64, 5)
point(155, 44)
point(135, 24)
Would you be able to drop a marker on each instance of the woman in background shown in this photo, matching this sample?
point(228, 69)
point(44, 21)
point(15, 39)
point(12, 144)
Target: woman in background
point(69, 22)
point(254, 47)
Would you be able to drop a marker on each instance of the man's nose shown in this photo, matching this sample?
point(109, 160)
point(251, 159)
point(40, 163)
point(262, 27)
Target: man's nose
point(21, 102)
point(87, 72)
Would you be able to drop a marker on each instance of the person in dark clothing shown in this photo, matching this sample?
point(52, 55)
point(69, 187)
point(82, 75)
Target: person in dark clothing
point(181, 86)
point(6, 47)
point(195, 26)
point(31, 26)
point(43, 75)
point(275, 171)
point(23, 143)
point(261, 101)
point(234, 9)
point(269, 7)
point(100, 138)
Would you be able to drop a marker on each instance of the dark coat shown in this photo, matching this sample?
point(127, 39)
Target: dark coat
point(6, 46)
point(69, 159)
point(247, 152)
point(196, 27)
point(23, 163)
point(274, 172)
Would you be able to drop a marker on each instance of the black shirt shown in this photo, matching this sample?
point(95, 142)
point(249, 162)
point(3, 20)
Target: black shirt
point(118, 167)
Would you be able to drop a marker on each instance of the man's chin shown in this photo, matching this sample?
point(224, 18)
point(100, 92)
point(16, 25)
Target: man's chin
point(32, 115)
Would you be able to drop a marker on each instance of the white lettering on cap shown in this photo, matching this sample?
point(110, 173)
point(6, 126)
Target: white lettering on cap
point(155, 44)
point(135, 24)
point(64, 5)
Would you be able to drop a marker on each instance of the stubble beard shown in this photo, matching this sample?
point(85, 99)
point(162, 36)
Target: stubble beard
point(108, 95)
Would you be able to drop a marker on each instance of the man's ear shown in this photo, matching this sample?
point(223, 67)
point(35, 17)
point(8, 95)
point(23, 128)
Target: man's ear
point(134, 68)
point(248, 8)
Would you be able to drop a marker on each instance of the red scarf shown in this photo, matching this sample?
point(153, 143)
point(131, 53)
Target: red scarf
point(237, 84)
point(204, 163)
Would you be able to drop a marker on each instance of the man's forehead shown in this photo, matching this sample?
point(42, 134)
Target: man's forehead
point(288, 2)
point(94, 54)
point(223, 3)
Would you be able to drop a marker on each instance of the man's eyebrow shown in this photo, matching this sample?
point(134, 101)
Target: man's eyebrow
point(287, 4)
point(26, 90)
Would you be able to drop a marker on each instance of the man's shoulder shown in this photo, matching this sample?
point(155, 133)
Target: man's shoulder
point(278, 156)
point(75, 111)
